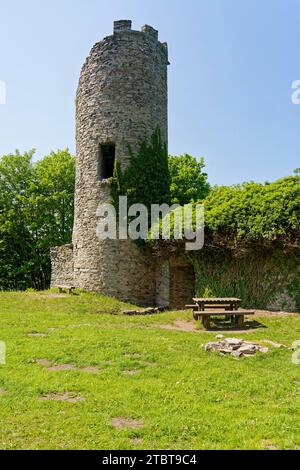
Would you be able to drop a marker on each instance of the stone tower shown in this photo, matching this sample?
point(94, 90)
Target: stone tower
point(121, 99)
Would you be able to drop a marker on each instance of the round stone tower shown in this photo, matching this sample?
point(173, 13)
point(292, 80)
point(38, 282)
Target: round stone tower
point(121, 99)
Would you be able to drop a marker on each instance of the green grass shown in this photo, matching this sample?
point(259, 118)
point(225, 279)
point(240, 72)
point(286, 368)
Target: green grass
point(187, 398)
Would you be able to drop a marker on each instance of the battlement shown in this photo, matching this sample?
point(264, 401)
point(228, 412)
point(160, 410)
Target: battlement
point(126, 25)
point(150, 31)
point(122, 25)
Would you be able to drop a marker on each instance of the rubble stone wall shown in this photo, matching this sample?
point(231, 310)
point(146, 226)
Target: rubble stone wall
point(121, 99)
point(163, 283)
point(62, 266)
point(182, 283)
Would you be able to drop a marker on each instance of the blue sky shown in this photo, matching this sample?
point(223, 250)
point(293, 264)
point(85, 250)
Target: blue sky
point(232, 66)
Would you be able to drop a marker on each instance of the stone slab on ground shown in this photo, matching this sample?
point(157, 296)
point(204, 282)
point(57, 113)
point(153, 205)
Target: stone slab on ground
point(146, 311)
point(236, 347)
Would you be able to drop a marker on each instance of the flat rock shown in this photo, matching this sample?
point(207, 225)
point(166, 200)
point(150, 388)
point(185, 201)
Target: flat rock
point(247, 349)
point(236, 354)
point(146, 311)
point(225, 351)
point(130, 312)
point(233, 341)
point(211, 346)
point(236, 347)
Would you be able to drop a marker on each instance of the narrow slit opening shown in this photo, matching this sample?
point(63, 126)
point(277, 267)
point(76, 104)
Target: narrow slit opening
point(106, 160)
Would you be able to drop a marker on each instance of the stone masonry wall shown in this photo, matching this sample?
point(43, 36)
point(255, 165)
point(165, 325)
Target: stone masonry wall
point(121, 99)
point(163, 283)
point(175, 282)
point(62, 266)
point(182, 283)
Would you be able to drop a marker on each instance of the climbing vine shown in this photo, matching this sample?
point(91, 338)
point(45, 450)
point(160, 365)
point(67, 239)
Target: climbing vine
point(261, 278)
point(146, 179)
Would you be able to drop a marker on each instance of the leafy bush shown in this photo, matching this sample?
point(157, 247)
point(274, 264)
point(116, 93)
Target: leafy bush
point(188, 181)
point(36, 212)
point(253, 211)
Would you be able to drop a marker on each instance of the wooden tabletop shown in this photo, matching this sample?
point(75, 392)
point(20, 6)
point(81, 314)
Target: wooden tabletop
point(213, 300)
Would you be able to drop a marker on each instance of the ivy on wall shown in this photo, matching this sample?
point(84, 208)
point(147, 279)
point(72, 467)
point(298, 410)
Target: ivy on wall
point(146, 179)
point(261, 278)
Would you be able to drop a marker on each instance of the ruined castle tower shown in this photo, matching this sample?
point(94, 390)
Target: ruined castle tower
point(121, 99)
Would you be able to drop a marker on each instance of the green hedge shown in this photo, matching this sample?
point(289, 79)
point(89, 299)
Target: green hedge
point(253, 212)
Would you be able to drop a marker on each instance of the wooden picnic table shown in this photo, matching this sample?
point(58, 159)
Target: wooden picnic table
point(205, 308)
point(228, 303)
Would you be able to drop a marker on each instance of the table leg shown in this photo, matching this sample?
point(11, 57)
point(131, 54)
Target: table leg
point(240, 321)
point(206, 321)
point(235, 318)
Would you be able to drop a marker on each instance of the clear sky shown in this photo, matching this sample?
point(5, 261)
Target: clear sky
point(232, 66)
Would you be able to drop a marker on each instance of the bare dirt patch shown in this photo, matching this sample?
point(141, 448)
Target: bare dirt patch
point(129, 423)
point(65, 367)
point(191, 327)
point(61, 367)
point(2, 391)
point(91, 369)
point(180, 325)
point(69, 397)
point(44, 362)
point(250, 324)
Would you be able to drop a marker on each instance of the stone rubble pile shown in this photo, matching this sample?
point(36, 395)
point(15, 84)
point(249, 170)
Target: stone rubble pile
point(146, 311)
point(236, 347)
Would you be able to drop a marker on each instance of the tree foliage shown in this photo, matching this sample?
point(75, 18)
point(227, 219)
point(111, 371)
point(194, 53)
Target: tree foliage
point(36, 212)
point(253, 212)
point(256, 211)
point(188, 181)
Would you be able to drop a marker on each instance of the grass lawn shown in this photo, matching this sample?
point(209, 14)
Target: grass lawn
point(116, 368)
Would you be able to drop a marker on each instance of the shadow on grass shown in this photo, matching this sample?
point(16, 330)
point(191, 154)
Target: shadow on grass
point(221, 325)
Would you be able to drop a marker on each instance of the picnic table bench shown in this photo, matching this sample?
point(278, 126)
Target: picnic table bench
point(205, 308)
point(67, 288)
